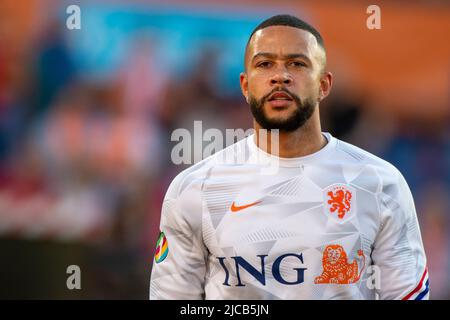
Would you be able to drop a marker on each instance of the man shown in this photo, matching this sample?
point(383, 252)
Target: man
point(334, 222)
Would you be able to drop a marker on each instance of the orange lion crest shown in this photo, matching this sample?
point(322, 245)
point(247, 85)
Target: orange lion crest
point(336, 269)
point(340, 201)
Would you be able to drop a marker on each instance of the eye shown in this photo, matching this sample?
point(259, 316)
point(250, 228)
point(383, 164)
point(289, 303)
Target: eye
point(297, 64)
point(264, 64)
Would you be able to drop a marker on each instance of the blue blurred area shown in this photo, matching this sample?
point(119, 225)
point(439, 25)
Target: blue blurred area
point(177, 37)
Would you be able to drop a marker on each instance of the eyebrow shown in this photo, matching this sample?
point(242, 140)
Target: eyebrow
point(288, 56)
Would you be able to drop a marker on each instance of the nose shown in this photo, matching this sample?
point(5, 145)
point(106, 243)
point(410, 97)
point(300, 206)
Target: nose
point(281, 77)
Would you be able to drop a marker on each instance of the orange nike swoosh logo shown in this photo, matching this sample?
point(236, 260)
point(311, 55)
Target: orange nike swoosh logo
point(235, 208)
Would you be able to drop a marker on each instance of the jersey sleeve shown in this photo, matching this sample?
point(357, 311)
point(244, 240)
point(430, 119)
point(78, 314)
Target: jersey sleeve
point(179, 264)
point(398, 249)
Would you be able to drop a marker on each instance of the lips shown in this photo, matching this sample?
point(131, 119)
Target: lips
point(280, 95)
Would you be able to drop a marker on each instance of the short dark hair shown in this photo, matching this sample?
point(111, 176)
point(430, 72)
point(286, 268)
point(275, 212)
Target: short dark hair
point(290, 21)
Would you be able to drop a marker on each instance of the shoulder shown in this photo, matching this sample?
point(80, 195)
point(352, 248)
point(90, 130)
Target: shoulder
point(193, 177)
point(391, 187)
point(183, 201)
point(384, 180)
point(353, 154)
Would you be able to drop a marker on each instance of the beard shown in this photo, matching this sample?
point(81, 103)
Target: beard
point(304, 110)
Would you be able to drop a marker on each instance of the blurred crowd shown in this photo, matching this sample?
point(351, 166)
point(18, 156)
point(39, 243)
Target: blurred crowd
point(87, 160)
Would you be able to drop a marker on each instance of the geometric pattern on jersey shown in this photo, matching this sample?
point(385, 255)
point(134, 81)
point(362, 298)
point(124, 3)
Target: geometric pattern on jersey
point(273, 244)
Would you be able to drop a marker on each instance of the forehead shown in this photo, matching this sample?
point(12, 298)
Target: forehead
point(283, 40)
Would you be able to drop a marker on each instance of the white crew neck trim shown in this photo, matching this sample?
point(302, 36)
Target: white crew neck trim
point(265, 157)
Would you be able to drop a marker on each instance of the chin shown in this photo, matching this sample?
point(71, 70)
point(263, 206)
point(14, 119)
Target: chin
point(279, 115)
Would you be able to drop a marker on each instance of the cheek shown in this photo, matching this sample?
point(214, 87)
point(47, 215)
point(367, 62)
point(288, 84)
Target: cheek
point(258, 78)
point(306, 83)
point(257, 86)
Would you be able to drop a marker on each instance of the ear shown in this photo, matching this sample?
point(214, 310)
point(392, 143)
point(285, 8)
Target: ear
point(326, 82)
point(243, 80)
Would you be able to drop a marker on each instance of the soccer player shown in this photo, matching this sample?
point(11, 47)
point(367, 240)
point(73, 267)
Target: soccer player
point(333, 222)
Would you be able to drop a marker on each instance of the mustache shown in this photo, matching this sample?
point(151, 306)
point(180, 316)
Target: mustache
point(280, 89)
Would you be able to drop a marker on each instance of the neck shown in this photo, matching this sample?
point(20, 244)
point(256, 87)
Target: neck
point(304, 141)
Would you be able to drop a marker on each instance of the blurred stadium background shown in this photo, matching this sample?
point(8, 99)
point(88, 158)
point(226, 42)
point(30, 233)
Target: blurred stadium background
point(86, 117)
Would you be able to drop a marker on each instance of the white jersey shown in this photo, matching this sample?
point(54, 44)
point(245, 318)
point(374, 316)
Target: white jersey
point(337, 224)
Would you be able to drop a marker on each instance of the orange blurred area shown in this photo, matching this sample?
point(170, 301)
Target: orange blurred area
point(399, 66)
